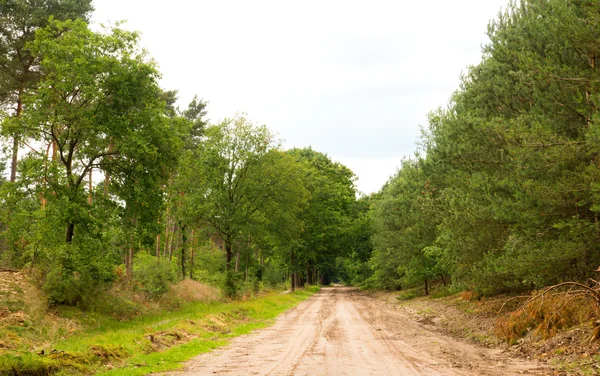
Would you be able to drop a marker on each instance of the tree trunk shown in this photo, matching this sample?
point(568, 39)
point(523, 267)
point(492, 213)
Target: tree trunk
point(15, 154)
point(167, 226)
point(16, 138)
point(192, 256)
point(106, 174)
point(90, 188)
point(183, 244)
point(228, 254)
point(174, 239)
point(43, 199)
point(443, 280)
point(129, 262)
point(158, 247)
point(292, 268)
point(293, 280)
point(70, 232)
point(237, 261)
point(426, 287)
point(54, 150)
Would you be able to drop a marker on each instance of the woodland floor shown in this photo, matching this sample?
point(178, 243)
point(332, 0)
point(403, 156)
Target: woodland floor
point(341, 331)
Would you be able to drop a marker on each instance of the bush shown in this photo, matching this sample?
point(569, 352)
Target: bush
point(153, 275)
point(444, 291)
point(74, 273)
point(232, 282)
point(411, 294)
point(273, 276)
point(62, 287)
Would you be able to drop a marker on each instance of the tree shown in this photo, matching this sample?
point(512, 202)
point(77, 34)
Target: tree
point(19, 67)
point(237, 178)
point(195, 114)
point(98, 105)
point(405, 221)
point(515, 154)
point(353, 267)
point(327, 216)
point(188, 125)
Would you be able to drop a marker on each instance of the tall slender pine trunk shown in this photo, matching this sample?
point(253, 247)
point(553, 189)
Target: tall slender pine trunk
point(16, 138)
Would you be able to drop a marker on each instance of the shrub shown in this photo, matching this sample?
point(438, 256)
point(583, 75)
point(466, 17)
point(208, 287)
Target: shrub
point(74, 273)
point(229, 286)
point(153, 275)
point(273, 276)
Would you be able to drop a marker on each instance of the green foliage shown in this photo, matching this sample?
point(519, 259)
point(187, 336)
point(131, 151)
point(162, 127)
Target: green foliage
point(231, 284)
point(210, 265)
point(153, 275)
point(505, 197)
point(195, 196)
point(73, 274)
point(96, 106)
point(244, 189)
point(327, 216)
point(274, 276)
point(19, 67)
point(115, 346)
point(404, 220)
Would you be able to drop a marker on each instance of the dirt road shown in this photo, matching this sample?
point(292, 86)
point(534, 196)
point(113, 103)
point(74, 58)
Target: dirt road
point(340, 331)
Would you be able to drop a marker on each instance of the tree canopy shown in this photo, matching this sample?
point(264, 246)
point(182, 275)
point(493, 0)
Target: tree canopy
point(509, 168)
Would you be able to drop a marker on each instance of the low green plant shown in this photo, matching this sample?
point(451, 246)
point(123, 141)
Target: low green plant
point(153, 275)
point(410, 294)
point(444, 291)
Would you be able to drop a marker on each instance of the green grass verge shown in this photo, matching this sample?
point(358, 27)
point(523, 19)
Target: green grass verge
point(155, 343)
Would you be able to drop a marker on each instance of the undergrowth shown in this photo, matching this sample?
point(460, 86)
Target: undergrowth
point(544, 316)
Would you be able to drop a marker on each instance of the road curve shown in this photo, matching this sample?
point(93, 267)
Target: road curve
point(340, 331)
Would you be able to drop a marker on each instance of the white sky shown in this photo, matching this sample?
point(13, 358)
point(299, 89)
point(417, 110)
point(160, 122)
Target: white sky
point(352, 79)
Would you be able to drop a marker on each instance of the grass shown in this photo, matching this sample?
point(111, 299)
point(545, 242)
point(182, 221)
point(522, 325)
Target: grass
point(412, 293)
point(152, 343)
point(585, 367)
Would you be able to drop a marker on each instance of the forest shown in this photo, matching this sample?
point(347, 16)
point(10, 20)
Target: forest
point(108, 179)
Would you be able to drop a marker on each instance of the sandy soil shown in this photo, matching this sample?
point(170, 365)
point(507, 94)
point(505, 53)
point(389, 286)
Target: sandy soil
point(340, 331)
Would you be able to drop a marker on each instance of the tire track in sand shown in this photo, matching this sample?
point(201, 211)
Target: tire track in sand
point(339, 331)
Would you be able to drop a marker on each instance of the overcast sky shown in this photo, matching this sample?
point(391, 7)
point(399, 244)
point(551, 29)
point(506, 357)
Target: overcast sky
point(352, 79)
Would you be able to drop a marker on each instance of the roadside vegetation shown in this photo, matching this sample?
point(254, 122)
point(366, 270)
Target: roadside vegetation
point(189, 319)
